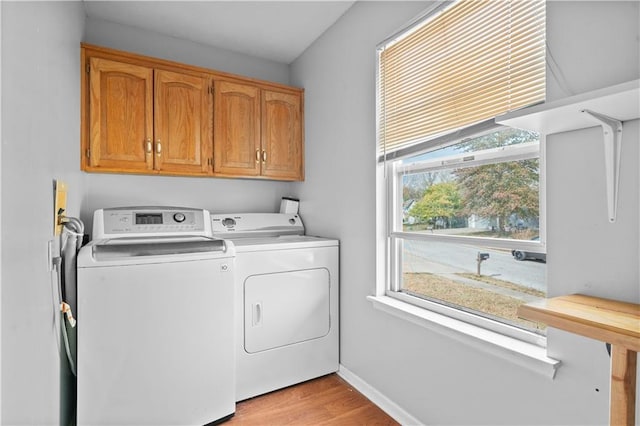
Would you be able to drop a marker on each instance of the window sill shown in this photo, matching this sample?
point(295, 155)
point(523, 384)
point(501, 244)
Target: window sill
point(525, 354)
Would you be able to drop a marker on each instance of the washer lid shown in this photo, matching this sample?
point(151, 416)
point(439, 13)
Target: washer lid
point(139, 251)
point(107, 250)
point(253, 225)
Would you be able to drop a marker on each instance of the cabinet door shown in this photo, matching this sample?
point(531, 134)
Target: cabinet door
point(236, 129)
point(120, 116)
point(183, 118)
point(282, 135)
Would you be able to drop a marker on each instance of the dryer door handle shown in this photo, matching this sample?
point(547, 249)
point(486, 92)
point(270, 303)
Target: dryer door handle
point(256, 317)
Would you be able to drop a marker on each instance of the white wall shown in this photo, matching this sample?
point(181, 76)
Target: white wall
point(40, 143)
point(436, 379)
point(40, 128)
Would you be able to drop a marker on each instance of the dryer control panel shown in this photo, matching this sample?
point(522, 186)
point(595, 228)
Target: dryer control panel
point(256, 225)
point(150, 221)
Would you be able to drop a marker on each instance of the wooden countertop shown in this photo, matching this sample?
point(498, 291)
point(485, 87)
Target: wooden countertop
point(606, 320)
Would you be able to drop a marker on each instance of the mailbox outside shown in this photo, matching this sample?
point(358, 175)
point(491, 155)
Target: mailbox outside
point(480, 258)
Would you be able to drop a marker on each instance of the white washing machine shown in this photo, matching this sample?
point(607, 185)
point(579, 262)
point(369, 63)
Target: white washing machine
point(286, 301)
point(155, 320)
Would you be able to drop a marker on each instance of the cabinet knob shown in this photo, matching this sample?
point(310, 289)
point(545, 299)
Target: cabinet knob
point(149, 146)
point(158, 148)
point(257, 155)
point(264, 156)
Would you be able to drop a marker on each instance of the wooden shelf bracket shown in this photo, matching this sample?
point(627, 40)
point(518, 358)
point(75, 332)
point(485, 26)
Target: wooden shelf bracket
point(612, 130)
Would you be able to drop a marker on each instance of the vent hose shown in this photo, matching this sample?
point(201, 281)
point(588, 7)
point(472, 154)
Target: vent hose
point(65, 265)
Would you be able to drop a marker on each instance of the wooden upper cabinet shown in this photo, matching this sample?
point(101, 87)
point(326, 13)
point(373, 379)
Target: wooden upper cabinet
point(183, 111)
point(146, 120)
point(257, 132)
point(282, 145)
point(120, 116)
point(151, 116)
point(236, 129)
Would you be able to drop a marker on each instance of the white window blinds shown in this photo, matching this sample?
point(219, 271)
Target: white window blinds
point(474, 60)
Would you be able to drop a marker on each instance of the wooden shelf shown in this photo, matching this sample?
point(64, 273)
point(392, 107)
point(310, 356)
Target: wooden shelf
point(608, 107)
point(611, 321)
point(621, 102)
point(601, 319)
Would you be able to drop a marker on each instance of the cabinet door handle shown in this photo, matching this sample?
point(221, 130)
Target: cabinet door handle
point(264, 156)
point(257, 155)
point(149, 146)
point(158, 148)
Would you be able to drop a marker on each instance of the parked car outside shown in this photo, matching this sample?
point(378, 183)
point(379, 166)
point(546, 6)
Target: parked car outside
point(529, 255)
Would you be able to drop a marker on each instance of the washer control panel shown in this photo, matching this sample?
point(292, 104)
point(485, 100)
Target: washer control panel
point(150, 221)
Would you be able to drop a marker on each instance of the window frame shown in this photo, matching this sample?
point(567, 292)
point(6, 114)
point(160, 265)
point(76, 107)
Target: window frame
point(532, 356)
point(392, 173)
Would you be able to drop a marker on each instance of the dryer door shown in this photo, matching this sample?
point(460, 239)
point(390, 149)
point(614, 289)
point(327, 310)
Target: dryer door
point(285, 308)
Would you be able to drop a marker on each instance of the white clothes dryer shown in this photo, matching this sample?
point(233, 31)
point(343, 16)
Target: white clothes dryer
point(286, 283)
point(155, 320)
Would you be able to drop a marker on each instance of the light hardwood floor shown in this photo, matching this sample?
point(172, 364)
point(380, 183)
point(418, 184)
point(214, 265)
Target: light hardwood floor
point(328, 400)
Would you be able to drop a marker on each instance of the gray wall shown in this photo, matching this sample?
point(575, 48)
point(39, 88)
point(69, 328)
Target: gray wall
point(40, 122)
point(434, 378)
point(123, 37)
point(40, 143)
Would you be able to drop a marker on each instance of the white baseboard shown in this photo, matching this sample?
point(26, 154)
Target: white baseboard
point(388, 406)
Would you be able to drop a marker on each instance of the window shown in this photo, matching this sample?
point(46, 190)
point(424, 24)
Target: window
point(462, 199)
point(466, 228)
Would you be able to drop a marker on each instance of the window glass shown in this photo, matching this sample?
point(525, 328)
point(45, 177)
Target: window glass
point(447, 273)
point(499, 199)
point(487, 188)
